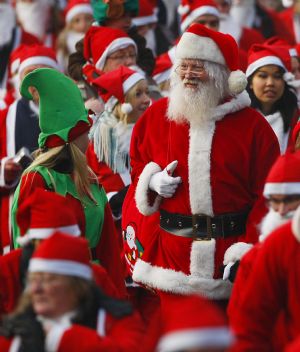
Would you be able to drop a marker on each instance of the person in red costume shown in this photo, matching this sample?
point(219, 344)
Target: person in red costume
point(282, 191)
point(63, 310)
point(195, 165)
point(290, 18)
point(38, 218)
point(60, 166)
point(272, 290)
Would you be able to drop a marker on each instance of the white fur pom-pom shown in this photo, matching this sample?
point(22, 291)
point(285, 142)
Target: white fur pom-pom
point(236, 251)
point(296, 224)
point(183, 9)
point(126, 108)
point(287, 3)
point(237, 82)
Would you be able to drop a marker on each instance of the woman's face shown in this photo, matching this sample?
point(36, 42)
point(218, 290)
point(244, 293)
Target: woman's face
point(125, 57)
point(81, 22)
point(52, 295)
point(139, 101)
point(268, 86)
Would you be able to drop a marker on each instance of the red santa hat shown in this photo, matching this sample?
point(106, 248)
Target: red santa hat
point(190, 10)
point(62, 254)
point(191, 322)
point(146, 14)
point(15, 59)
point(76, 7)
point(199, 42)
point(116, 84)
point(100, 42)
point(284, 176)
point(42, 213)
point(163, 66)
point(37, 55)
point(264, 54)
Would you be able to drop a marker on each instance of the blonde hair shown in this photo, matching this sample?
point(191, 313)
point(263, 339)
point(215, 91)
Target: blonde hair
point(129, 97)
point(83, 174)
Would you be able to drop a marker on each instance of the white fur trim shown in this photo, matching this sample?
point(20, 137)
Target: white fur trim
point(117, 44)
point(43, 233)
point(203, 259)
point(237, 82)
point(64, 267)
point(185, 339)
point(200, 11)
point(142, 189)
point(54, 337)
point(282, 188)
point(10, 129)
point(296, 224)
point(288, 77)
point(15, 345)
point(15, 66)
point(163, 76)
point(192, 46)
point(211, 288)
point(126, 108)
point(75, 10)
point(131, 81)
point(236, 251)
point(142, 21)
point(293, 52)
point(38, 60)
point(266, 60)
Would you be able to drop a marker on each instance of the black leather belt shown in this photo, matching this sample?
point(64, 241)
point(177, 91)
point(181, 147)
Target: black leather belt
point(204, 227)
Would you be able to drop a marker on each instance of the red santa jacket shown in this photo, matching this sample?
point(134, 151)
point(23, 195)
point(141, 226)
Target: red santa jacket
point(272, 289)
point(10, 281)
point(112, 335)
point(223, 164)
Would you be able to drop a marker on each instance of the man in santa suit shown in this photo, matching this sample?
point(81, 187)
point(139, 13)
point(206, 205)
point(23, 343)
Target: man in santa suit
point(11, 36)
point(290, 17)
point(282, 190)
point(272, 289)
point(19, 128)
point(200, 159)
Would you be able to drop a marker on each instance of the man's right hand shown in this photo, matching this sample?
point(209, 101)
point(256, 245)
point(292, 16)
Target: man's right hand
point(163, 183)
point(12, 171)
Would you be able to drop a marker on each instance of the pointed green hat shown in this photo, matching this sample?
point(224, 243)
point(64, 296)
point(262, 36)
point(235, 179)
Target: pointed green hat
point(62, 116)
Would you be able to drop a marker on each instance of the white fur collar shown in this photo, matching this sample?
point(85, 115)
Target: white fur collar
point(237, 103)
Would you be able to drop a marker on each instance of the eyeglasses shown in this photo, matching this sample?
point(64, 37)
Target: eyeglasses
point(194, 70)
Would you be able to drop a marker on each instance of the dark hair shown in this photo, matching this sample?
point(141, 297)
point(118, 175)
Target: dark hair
point(286, 105)
point(76, 62)
point(265, 25)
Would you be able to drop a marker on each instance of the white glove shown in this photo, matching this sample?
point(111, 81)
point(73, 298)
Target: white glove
point(163, 183)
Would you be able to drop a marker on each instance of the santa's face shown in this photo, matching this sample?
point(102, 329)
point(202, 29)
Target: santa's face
point(126, 57)
point(191, 72)
point(223, 6)
point(284, 204)
point(243, 12)
point(81, 22)
point(209, 21)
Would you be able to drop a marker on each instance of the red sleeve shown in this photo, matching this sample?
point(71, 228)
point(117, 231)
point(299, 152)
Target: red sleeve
point(109, 253)
point(103, 280)
point(110, 181)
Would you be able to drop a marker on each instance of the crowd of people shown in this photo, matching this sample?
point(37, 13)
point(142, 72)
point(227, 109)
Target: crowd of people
point(149, 175)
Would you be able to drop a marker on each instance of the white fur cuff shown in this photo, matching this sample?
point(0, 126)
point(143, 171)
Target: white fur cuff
point(236, 252)
point(296, 224)
point(142, 190)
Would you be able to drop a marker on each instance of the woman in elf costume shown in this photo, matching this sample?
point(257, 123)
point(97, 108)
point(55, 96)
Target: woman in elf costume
point(60, 166)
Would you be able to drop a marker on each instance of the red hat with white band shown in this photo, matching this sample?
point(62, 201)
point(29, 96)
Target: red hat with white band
point(76, 7)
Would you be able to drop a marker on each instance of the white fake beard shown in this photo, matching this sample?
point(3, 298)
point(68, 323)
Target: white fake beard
point(72, 39)
point(243, 13)
point(272, 221)
point(34, 16)
point(7, 23)
point(150, 40)
point(194, 106)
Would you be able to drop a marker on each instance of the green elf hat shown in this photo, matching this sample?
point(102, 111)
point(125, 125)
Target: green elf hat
point(63, 116)
point(113, 9)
